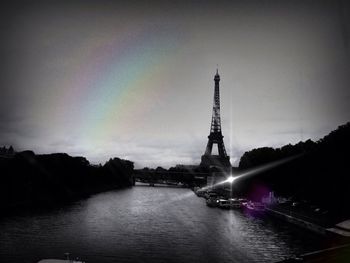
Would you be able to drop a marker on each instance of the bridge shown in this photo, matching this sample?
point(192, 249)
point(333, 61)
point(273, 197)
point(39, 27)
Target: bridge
point(183, 179)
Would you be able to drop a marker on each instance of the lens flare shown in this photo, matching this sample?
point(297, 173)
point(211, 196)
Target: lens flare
point(265, 167)
point(230, 179)
point(233, 177)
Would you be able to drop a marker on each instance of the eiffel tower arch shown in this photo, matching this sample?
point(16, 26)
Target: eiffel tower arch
point(221, 160)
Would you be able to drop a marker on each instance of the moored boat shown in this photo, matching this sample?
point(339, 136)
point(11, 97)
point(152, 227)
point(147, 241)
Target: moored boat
point(243, 201)
point(212, 202)
point(59, 261)
point(67, 260)
point(224, 203)
point(209, 195)
point(200, 192)
point(235, 203)
point(231, 203)
point(255, 207)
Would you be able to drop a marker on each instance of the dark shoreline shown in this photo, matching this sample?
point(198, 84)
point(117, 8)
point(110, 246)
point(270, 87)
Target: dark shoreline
point(30, 181)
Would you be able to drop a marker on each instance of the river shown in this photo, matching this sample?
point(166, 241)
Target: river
point(149, 224)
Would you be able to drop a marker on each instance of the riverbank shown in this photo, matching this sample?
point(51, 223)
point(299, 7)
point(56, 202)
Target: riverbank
point(336, 247)
point(296, 220)
point(338, 254)
point(337, 232)
point(29, 180)
point(338, 236)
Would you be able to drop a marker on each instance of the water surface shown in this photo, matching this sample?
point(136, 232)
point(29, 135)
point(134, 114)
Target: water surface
point(149, 224)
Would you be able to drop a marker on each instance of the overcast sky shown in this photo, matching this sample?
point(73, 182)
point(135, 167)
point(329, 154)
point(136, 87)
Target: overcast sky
point(135, 80)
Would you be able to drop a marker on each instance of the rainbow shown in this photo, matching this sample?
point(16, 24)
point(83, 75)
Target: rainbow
point(112, 80)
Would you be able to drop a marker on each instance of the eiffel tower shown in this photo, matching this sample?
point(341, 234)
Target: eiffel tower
point(215, 137)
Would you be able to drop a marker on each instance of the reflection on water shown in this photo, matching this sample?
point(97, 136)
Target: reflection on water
point(149, 224)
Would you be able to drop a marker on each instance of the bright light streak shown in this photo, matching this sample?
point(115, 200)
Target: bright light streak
point(253, 171)
point(266, 167)
point(230, 179)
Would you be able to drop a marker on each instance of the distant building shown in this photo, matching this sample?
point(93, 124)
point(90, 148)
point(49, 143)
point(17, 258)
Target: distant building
point(7, 152)
point(188, 167)
point(215, 180)
point(270, 199)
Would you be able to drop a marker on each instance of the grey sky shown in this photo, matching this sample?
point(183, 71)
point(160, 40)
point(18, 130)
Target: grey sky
point(135, 80)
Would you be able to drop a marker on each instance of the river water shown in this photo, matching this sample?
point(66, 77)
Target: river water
point(149, 224)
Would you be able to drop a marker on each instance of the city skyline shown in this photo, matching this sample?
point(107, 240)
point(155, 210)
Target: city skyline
point(109, 79)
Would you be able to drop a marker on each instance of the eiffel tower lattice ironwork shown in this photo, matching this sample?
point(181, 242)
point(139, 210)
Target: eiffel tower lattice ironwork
point(215, 136)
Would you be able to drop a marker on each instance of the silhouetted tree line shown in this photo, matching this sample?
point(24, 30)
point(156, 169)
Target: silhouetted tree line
point(4, 152)
point(186, 174)
point(29, 179)
point(264, 155)
point(319, 175)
